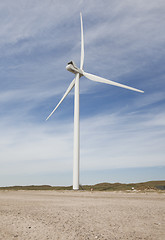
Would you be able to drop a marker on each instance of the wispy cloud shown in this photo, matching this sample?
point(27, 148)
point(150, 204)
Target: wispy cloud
point(107, 141)
point(124, 41)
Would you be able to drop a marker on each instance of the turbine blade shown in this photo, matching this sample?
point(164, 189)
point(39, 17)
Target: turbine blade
point(104, 80)
point(66, 93)
point(82, 44)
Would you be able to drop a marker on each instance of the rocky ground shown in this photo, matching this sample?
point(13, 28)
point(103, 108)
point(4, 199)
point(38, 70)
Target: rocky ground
point(81, 215)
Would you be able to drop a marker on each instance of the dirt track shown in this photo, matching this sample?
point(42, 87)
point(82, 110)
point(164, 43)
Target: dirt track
point(80, 215)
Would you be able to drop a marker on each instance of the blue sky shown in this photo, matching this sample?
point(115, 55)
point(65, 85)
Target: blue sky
point(122, 132)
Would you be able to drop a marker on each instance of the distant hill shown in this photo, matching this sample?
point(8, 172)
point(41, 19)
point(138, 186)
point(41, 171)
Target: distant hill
point(152, 185)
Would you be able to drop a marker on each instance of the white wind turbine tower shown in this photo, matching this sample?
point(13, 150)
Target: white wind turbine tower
point(79, 72)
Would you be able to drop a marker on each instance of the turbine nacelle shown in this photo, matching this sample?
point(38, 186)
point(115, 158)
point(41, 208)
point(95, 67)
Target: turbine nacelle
point(71, 67)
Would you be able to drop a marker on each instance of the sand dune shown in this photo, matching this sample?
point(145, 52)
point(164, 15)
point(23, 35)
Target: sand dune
point(80, 215)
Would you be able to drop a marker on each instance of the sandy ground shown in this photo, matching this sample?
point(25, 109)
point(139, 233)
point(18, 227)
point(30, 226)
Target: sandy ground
point(81, 215)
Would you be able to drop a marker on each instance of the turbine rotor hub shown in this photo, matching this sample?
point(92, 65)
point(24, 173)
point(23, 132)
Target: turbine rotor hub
point(71, 67)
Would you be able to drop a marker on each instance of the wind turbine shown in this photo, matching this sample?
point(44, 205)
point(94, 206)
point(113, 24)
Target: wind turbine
point(79, 72)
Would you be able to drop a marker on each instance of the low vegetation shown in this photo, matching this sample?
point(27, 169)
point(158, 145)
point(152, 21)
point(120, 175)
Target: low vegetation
point(145, 186)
